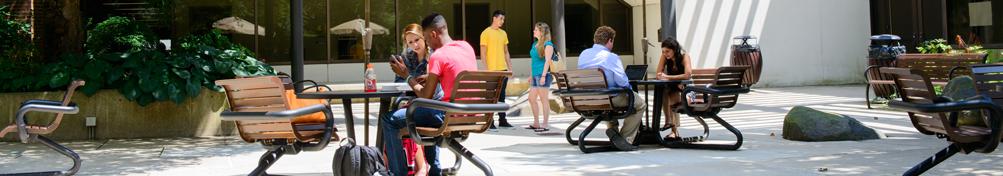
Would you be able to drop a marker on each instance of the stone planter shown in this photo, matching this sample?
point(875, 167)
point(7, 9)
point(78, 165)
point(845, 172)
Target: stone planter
point(117, 117)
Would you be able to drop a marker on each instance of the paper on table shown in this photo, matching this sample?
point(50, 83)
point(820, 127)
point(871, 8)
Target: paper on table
point(394, 87)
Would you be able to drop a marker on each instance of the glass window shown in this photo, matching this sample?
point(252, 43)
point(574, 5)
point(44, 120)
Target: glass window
point(172, 19)
point(976, 22)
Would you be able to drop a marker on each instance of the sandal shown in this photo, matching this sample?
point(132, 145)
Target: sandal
point(531, 127)
point(541, 130)
point(667, 126)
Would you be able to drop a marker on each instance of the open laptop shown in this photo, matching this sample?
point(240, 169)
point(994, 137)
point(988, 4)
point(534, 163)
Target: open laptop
point(636, 72)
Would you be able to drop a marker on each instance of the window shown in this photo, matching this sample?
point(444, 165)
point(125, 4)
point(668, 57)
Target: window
point(977, 21)
point(172, 19)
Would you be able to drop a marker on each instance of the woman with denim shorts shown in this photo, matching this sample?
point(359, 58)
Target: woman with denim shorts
point(542, 54)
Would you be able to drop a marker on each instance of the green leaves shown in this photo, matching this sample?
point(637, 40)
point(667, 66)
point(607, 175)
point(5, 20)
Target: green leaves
point(934, 46)
point(119, 55)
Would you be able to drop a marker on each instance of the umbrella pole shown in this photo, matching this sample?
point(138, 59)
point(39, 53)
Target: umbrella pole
point(296, 10)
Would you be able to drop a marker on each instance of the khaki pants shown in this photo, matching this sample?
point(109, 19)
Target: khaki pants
point(632, 123)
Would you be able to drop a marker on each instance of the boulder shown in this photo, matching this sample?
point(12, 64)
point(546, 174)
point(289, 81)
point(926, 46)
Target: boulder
point(806, 124)
point(963, 88)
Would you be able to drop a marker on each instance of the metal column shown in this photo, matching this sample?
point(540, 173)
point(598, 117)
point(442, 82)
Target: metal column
point(296, 49)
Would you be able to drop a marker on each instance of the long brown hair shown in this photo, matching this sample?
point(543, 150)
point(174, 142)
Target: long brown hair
point(545, 37)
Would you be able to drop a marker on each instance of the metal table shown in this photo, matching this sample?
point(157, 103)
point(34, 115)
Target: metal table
point(346, 97)
point(649, 132)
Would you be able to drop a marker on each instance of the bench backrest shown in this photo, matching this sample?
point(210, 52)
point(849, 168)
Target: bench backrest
point(474, 87)
point(938, 67)
point(914, 86)
point(720, 78)
point(989, 80)
point(584, 79)
point(258, 94)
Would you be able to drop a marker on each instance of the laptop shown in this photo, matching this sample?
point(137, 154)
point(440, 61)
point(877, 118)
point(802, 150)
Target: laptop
point(636, 72)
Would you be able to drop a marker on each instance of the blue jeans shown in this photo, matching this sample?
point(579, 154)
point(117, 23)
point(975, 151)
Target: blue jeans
point(392, 124)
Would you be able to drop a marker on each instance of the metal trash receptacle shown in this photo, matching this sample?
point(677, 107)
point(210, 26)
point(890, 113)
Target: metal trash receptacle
point(882, 53)
point(744, 52)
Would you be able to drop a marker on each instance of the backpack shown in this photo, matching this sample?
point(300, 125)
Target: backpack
point(354, 160)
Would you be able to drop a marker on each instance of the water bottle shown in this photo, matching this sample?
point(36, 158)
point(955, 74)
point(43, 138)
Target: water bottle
point(370, 79)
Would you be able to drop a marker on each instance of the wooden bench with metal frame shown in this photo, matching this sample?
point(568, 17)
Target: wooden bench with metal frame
point(934, 115)
point(261, 110)
point(715, 90)
point(586, 92)
point(471, 109)
point(28, 133)
point(939, 67)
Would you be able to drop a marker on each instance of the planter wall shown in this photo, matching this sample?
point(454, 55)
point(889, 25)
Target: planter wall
point(118, 117)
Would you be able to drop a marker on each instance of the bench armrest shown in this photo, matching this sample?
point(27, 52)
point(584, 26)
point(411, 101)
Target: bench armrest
point(21, 120)
point(448, 107)
point(984, 103)
point(589, 92)
point(44, 102)
point(277, 115)
point(715, 91)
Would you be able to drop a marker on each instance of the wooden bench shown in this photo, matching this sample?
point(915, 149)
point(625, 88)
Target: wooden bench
point(585, 91)
point(471, 109)
point(934, 115)
point(939, 67)
point(261, 109)
point(28, 133)
point(714, 90)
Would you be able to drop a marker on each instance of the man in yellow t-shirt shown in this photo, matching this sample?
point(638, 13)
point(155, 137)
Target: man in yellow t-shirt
point(494, 53)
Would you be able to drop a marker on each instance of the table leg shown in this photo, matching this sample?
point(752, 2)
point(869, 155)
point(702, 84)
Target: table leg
point(657, 114)
point(384, 111)
point(365, 129)
point(349, 119)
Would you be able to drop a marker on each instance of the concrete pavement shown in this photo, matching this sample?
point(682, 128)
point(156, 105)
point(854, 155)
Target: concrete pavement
point(516, 151)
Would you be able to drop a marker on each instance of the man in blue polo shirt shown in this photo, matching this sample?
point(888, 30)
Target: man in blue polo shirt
point(600, 56)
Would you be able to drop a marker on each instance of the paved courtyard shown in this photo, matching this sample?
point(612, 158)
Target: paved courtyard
point(516, 151)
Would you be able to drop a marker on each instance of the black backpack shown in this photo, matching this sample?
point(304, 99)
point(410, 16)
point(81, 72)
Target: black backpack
point(354, 160)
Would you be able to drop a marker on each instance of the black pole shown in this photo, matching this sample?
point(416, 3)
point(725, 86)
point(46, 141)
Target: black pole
point(558, 27)
point(668, 20)
point(296, 49)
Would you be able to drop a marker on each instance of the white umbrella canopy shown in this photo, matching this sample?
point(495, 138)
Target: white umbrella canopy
point(355, 27)
point(238, 26)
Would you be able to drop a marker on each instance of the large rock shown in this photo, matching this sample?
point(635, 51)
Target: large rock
point(963, 88)
point(806, 124)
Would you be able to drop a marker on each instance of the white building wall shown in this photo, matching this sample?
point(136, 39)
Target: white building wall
point(804, 42)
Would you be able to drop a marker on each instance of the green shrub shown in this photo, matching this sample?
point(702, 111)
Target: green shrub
point(121, 54)
point(934, 46)
point(120, 34)
point(17, 55)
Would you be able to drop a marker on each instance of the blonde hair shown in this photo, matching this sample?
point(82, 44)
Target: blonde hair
point(412, 28)
point(544, 38)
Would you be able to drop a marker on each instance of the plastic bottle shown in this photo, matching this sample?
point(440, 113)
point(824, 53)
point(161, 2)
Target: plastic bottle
point(370, 79)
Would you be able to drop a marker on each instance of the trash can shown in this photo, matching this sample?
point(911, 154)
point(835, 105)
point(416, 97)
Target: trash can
point(882, 53)
point(744, 52)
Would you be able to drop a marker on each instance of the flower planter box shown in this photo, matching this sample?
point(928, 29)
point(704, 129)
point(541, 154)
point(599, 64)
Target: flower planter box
point(117, 117)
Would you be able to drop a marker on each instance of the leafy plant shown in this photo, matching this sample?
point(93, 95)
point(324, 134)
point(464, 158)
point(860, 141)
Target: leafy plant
point(17, 54)
point(934, 46)
point(120, 55)
point(119, 34)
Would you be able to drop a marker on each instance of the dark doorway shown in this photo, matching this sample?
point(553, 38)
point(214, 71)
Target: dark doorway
point(913, 20)
point(478, 18)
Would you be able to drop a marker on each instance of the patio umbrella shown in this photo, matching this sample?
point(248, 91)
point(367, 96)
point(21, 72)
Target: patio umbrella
point(355, 27)
point(238, 26)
